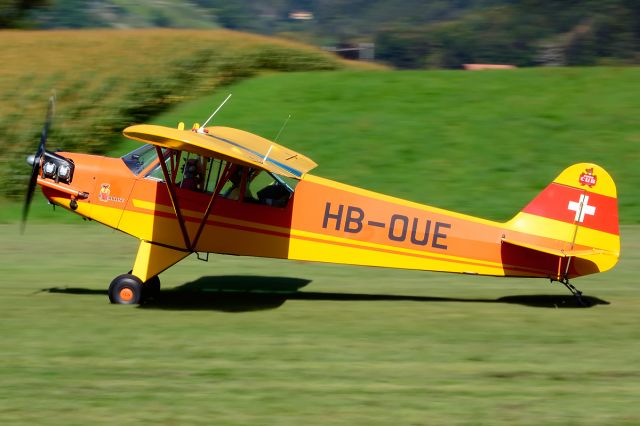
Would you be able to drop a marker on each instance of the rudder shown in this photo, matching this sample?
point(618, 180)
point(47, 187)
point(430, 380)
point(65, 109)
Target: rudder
point(577, 214)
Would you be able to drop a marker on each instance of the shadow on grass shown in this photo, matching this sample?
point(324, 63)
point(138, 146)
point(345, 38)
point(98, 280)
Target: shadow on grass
point(228, 293)
point(243, 293)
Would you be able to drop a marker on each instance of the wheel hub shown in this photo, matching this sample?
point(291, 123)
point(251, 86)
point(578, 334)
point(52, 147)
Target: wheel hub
point(126, 294)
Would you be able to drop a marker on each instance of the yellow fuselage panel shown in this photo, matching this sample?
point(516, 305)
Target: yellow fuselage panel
point(327, 221)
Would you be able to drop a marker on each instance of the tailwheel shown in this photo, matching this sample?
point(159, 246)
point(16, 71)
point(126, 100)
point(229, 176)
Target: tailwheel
point(126, 289)
point(576, 293)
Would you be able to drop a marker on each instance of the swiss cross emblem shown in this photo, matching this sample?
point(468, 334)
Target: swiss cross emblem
point(588, 178)
point(582, 208)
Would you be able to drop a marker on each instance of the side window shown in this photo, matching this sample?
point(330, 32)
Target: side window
point(239, 178)
point(272, 190)
point(214, 170)
point(260, 187)
point(268, 190)
point(141, 158)
point(190, 171)
point(197, 173)
point(156, 173)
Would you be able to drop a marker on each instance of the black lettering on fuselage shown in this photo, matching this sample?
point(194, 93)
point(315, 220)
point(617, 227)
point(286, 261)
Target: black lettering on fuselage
point(398, 227)
point(439, 235)
point(414, 231)
point(353, 222)
point(332, 216)
point(420, 233)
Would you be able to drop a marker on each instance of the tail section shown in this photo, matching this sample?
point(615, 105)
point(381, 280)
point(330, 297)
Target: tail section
point(575, 217)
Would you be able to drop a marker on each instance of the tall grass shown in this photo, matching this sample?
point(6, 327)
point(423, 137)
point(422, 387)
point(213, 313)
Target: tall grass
point(105, 80)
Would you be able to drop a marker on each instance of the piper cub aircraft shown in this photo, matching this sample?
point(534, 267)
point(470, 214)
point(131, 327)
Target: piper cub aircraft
point(223, 190)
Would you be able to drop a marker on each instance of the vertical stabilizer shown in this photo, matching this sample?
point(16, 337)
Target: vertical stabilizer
point(577, 214)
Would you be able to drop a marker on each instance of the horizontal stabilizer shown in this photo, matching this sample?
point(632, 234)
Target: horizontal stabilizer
point(557, 252)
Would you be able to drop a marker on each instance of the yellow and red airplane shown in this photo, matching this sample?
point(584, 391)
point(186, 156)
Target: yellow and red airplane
point(224, 190)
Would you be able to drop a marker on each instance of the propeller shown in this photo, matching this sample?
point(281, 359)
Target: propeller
point(36, 161)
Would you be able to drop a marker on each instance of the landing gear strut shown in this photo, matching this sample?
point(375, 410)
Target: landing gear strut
point(127, 289)
point(151, 288)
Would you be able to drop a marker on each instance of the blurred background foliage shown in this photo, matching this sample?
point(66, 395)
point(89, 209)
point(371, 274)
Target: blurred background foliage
point(106, 80)
point(407, 34)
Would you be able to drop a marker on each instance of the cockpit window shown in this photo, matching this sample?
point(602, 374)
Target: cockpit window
point(270, 190)
point(202, 174)
point(139, 159)
point(260, 187)
point(189, 171)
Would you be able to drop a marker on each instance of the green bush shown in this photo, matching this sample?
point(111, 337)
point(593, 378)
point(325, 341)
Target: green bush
point(107, 80)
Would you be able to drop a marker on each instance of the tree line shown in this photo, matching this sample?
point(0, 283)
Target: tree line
point(523, 33)
point(407, 34)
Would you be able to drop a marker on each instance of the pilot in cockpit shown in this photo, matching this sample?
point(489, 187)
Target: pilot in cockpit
point(192, 175)
point(233, 193)
point(273, 191)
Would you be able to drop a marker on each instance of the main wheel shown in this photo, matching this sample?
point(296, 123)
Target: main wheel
point(125, 289)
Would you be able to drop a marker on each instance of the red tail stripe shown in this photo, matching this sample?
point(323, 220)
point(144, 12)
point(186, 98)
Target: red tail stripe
point(554, 203)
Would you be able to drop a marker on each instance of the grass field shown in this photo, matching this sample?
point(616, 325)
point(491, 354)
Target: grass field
point(480, 143)
point(241, 341)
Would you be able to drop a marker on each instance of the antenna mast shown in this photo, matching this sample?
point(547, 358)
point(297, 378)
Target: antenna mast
point(282, 128)
point(201, 129)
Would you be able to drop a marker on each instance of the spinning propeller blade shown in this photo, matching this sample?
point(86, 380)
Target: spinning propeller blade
point(36, 162)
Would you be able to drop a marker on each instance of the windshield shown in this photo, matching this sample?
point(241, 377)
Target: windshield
point(138, 159)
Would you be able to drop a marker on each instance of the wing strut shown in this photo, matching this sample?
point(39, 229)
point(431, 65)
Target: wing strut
point(173, 198)
point(169, 181)
point(225, 176)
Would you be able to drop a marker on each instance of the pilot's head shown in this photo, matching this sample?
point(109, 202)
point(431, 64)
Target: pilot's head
point(192, 168)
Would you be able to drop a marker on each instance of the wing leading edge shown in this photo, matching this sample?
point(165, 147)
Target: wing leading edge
point(228, 144)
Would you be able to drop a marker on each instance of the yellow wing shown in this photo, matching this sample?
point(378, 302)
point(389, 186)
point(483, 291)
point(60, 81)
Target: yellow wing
point(226, 143)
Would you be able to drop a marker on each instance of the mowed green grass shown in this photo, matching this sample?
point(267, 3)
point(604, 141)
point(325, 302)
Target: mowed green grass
point(306, 343)
point(483, 143)
point(285, 343)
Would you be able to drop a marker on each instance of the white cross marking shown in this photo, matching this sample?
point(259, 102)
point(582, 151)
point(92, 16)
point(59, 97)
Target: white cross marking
point(581, 208)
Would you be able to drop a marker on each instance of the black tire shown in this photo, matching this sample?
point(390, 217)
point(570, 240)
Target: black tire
point(151, 288)
point(125, 289)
